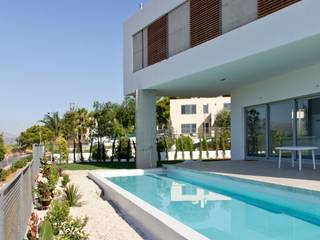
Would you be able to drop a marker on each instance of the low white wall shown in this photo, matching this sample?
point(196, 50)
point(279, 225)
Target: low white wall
point(196, 155)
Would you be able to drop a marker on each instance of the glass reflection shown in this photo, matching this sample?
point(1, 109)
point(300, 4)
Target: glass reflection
point(308, 123)
point(281, 126)
point(256, 131)
point(197, 196)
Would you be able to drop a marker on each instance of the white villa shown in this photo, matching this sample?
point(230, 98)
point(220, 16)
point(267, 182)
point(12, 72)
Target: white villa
point(195, 116)
point(264, 54)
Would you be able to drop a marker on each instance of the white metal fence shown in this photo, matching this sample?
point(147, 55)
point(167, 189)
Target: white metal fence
point(16, 199)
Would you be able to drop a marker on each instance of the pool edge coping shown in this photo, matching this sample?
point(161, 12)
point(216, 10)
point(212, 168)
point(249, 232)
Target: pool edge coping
point(174, 225)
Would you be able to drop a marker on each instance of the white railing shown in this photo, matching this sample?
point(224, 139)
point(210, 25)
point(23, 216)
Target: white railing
point(16, 199)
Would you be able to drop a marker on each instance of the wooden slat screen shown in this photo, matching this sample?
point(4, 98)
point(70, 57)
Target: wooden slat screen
point(266, 7)
point(205, 20)
point(158, 40)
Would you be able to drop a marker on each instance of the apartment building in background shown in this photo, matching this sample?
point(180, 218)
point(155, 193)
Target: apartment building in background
point(264, 54)
point(196, 116)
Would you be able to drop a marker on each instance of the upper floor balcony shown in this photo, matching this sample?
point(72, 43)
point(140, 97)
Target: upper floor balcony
point(208, 47)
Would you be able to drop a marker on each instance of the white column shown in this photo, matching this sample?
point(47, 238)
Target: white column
point(237, 130)
point(146, 154)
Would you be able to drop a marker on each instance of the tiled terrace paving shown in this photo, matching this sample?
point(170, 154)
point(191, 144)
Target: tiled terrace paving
point(265, 171)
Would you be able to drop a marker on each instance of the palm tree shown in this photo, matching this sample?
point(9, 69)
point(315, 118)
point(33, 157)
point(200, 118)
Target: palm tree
point(83, 123)
point(70, 129)
point(53, 122)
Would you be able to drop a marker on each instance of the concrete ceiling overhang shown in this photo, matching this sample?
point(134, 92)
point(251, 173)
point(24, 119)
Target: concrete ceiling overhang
point(223, 79)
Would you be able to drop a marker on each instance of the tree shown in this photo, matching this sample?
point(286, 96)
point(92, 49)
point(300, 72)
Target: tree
point(2, 148)
point(82, 124)
point(35, 134)
point(163, 112)
point(53, 122)
point(70, 129)
point(104, 115)
point(222, 125)
point(63, 150)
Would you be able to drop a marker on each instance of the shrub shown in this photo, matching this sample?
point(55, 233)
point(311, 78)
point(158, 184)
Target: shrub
point(205, 143)
point(3, 175)
point(57, 214)
point(65, 180)
point(2, 148)
point(72, 229)
point(53, 176)
point(124, 150)
point(200, 149)
point(96, 152)
point(72, 195)
point(46, 231)
point(63, 150)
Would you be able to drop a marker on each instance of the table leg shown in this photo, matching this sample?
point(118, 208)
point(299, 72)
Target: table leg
point(292, 158)
point(300, 160)
point(314, 159)
point(279, 162)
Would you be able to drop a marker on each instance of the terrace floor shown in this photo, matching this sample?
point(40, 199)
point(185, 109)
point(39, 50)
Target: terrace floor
point(264, 171)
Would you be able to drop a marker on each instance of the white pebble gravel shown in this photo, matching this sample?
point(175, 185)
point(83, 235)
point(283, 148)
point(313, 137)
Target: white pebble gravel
point(104, 222)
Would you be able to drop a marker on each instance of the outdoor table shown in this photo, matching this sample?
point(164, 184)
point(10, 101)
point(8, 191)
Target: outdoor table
point(298, 149)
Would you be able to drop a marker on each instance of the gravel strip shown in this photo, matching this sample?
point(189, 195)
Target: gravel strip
point(104, 222)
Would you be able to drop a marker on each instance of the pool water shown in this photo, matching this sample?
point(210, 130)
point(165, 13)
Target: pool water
point(216, 214)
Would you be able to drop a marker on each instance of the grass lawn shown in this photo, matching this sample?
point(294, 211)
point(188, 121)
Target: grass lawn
point(113, 165)
point(99, 165)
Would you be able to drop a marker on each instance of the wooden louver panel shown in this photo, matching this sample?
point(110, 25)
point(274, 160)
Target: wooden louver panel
point(266, 7)
point(205, 20)
point(158, 40)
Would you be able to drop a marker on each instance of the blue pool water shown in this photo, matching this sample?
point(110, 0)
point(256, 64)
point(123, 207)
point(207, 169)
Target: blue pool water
point(214, 213)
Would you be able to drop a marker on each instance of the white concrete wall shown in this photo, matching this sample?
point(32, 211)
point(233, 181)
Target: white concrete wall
point(146, 154)
point(215, 105)
point(296, 83)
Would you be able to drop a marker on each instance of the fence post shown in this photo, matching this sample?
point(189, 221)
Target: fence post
point(1, 217)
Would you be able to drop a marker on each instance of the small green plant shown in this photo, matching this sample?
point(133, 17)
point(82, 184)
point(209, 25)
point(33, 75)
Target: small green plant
point(65, 180)
point(205, 143)
point(46, 231)
point(176, 150)
point(72, 229)
point(200, 149)
point(63, 150)
point(57, 214)
point(190, 147)
point(44, 195)
point(72, 195)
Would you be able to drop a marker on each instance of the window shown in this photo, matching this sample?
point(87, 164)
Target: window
point(308, 122)
point(188, 128)
point(189, 109)
point(206, 127)
point(206, 108)
point(227, 106)
point(281, 123)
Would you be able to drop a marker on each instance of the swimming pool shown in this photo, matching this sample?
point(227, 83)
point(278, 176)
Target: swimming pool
point(219, 207)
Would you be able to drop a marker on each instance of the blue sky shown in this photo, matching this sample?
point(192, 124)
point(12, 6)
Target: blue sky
point(57, 52)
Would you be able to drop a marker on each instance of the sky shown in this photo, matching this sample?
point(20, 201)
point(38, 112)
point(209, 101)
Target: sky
point(57, 52)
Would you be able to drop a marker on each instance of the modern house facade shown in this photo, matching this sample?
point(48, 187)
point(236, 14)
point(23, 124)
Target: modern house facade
point(196, 116)
point(264, 54)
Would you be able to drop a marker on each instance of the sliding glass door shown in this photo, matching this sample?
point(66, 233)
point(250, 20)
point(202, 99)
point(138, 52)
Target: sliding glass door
point(256, 131)
point(308, 122)
point(281, 126)
point(293, 122)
